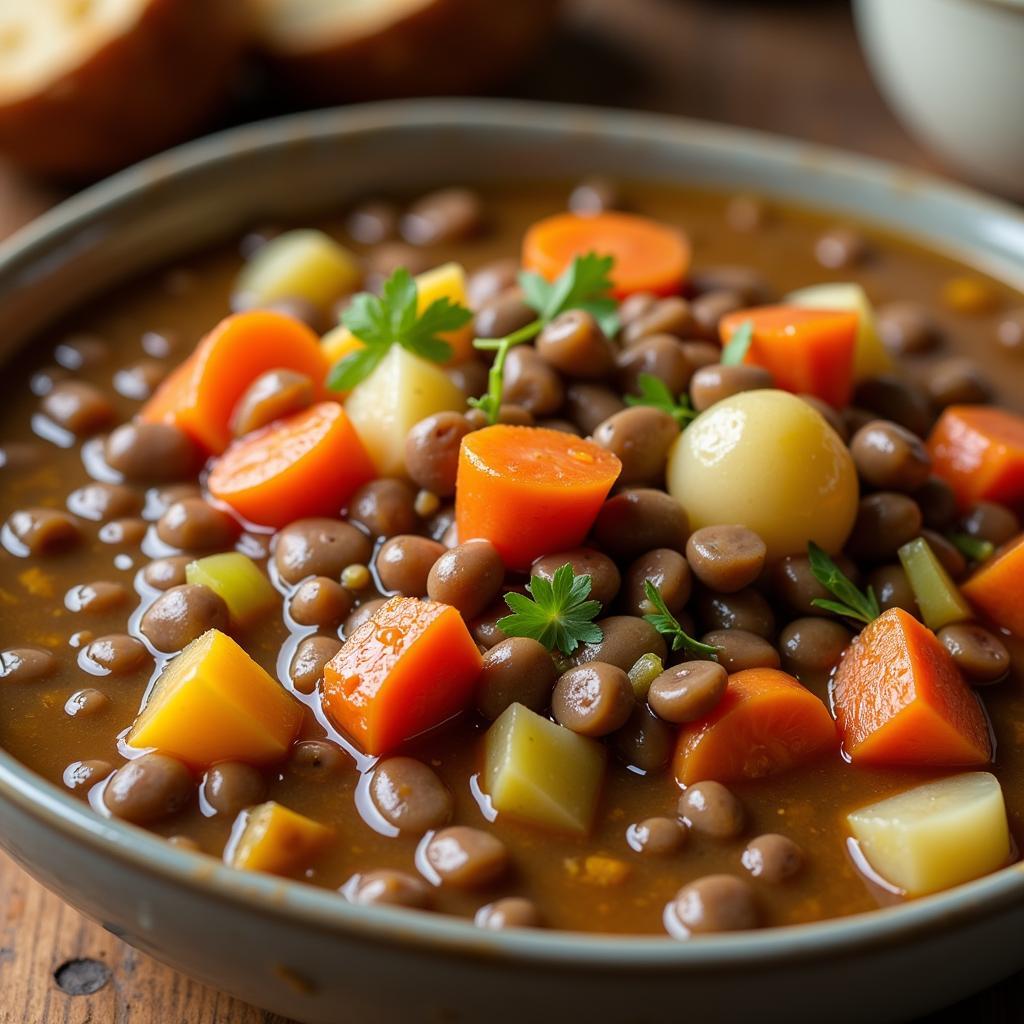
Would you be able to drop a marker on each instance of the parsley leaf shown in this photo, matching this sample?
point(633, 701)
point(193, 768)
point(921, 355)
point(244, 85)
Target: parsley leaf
point(392, 319)
point(852, 603)
point(585, 284)
point(668, 626)
point(559, 615)
point(974, 549)
point(654, 392)
point(739, 345)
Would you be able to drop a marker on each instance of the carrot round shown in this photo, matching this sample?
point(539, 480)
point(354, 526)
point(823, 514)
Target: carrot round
point(900, 699)
point(200, 395)
point(308, 464)
point(995, 588)
point(530, 491)
point(412, 666)
point(979, 451)
point(649, 257)
point(807, 351)
point(765, 724)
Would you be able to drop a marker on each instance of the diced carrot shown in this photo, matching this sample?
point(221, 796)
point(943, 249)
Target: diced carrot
point(530, 491)
point(995, 588)
point(649, 257)
point(807, 351)
point(308, 464)
point(412, 666)
point(200, 395)
point(979, 451)
point(765, 724)
point(900, 699)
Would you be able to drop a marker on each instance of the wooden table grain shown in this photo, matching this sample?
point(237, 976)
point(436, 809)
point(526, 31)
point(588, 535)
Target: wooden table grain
point(791, 67)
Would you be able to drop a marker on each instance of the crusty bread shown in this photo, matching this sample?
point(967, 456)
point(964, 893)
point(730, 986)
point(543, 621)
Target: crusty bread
point(87, 86)
point(337, 50)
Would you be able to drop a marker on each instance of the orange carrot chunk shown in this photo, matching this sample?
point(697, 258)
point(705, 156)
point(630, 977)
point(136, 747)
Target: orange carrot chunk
point(200, 395)
point(995, 588)
point(530, 491)
point(765, 724)
point(979, 451)
point(308, 464)
point(900, 699)
point(649, 257)
point(412, 666)
point(807, 351)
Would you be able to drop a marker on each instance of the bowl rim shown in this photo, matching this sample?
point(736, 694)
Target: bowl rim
point(320, 909)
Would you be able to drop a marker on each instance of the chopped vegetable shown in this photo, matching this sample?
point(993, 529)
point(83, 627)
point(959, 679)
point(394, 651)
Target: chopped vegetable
point(979, 451)
point(246, 591)
point(935, 836)
point(200, 395)
point(643, 672)
point(807, 351)
point(410, 667)
point(766, 724)
point(275, 839)
point(936, 594)
point(303, 264)
point(559, 615)
point(974, 549)
point(735, 351)
point(852, 603)
point(530, 491)
point(995, 588)
point(309, 464)
point(668, 626)
point(214, 703)
point(649, 257)
point(654, 392)
point(900, 699)
point(539, 772)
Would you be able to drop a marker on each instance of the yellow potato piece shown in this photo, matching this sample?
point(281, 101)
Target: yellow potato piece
point(214, 703)
point(870, 356)
point(273, 838)
point(541, 773)
point(237, 578)
point(937, 835)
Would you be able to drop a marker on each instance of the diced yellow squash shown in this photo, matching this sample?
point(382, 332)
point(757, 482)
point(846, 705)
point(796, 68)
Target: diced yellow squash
point(400, 392)
point(539, 772)
point(870, 357)
point(937, 835)
point(273, 838)
point(304, 264)
point(936, 594)
point(214, 703)
point(237, 578)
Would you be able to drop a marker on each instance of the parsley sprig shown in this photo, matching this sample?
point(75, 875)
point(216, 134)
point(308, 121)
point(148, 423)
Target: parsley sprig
point(392, 319)
point(560, 614)
point(738, 345)
point(654, 392)
point(852, 603)
point(668, 626)
point(585, 284)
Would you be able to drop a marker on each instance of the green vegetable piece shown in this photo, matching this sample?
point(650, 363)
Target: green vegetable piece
point(937, 595)
point(668, 626)
point(645, 670)
point(852, 603)
point(739, 345)
point(655, 393)
point(238, 580)
point(538, 772)
point(974, 549)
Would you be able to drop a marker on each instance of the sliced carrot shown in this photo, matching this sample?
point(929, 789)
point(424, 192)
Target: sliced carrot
point(308, 464)
point(807, 351)
point(412, 666)
point(979, 451)
point(995, 588)
point(201, 394)
point(765, 724)
point(649, 257)
point(900, 699)
point(530, 491)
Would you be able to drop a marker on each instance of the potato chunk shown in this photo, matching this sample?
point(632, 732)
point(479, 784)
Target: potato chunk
point(235, 577)
point(273, 838)
point(541, 773)
point(937, 835)
point(214, 703)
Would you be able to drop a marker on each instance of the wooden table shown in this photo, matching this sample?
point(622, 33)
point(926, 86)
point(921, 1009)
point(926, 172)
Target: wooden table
point(790, 67)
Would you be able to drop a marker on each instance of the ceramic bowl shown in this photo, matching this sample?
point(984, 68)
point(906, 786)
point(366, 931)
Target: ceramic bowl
point(304, 952)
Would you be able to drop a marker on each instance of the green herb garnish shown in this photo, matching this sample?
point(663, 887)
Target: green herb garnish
point(655, 393)
point(974, 549)
point(391, 319)
point(852, 603)
point(668, 626)
point(560, 614)
point(739, 345)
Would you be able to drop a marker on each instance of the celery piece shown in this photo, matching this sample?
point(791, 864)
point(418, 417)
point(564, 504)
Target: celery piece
point(937, 595)
point(645, 670)
point(239, 581)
